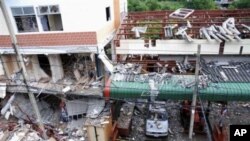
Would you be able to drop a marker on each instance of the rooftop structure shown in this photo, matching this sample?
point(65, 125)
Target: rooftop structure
point(218, 32)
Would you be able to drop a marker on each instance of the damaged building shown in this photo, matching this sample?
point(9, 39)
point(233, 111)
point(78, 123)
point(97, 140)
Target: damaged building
point(68, 53)
point(167, 38)
point(61, 46)
point(65, 46)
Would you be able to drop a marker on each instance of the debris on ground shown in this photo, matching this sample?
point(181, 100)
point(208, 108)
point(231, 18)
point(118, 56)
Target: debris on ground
point(125, 119)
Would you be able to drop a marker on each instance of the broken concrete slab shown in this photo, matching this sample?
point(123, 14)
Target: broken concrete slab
point(95, 107)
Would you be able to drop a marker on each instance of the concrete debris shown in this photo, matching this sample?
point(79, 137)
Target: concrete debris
point(95, 107)
point(128, 68)
point(51, 139)
point(246, 105)
point(131, 76)
point(103, 118)
point(89, 112)
point(20, 108)
point(125, 119)
point(91, 107)
point(7, 105)
point(17, 77)
point(66, 89)
point(76, 107)
point(24, 133)
point(77, 74)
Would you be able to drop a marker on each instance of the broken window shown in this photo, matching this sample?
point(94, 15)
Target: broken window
point(50, 17)
point(108, 16)
point(25, 19)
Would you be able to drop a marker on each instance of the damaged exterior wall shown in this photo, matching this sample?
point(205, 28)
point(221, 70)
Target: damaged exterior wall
point(80, 33)
point(33, 68)
point(10, 65)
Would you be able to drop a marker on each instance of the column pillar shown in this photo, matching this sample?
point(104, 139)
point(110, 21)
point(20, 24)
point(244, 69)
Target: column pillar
point(56, 67)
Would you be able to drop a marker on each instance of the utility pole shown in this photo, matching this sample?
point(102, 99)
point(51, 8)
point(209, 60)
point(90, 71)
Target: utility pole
point(24, 72)
point(197, 68)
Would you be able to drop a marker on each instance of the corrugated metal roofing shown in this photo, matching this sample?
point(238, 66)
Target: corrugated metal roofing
point(233, 71)
point(214, 92)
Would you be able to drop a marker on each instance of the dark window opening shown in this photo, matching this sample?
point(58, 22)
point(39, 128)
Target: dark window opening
point(44, 64)
point(108, 16)
point(153, 42)
point(50, 17)
point(25, 19)
point(26, 23)
point(51, 22)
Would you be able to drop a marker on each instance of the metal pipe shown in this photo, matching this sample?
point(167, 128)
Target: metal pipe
point(204, 32)
point(222, 37)
point(237, 37)
point(210, 32)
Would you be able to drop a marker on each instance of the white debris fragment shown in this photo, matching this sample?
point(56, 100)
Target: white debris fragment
point(66, 89)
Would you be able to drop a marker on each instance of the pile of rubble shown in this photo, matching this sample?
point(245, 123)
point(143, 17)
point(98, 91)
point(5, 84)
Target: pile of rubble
point(66, 120)
point(21, 132)
point(125, 119)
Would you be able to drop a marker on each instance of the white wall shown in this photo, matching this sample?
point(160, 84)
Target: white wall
point(177, 47)
point(123, 9)
point(234, 47)
point(123, 6)
point(3, 26)
point(77, 15)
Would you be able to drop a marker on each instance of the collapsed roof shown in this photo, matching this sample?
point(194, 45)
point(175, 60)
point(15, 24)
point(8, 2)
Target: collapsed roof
point(195, 24)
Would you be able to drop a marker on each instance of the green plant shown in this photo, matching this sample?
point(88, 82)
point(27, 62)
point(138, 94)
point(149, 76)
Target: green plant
point(201, 4)
point(240, 4)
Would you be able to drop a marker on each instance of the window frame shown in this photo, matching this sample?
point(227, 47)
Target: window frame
point(39, 15)
point(48, 13)
point(14, 16)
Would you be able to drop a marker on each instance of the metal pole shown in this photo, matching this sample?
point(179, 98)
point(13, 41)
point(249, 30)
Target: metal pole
point(24, 72)
point(197, 68)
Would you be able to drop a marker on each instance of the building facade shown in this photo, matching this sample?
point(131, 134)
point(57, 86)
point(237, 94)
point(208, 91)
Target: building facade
point(51, 32)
